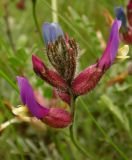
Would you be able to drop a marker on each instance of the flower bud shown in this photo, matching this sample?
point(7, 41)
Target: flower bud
point(61, 50)
point(49, 76)
point(58, 118)
point(87, 80)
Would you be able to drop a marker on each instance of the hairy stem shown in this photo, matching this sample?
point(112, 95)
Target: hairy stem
point(35, 18)
point(109, 140)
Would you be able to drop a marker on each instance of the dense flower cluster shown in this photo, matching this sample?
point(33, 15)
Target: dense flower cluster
point(62, 52)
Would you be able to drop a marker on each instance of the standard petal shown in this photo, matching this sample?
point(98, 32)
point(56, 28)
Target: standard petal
point(112, 47)
point(51, 31)
point(28, 99)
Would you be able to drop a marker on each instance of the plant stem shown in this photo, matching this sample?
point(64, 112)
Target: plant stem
point(71, 128)
point(54, 10)
point(109, 140)
point(35, 18)
point(8, 30)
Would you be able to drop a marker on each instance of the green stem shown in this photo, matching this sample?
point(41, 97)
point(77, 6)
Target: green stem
point(54, 10)
point(35, 19)
point(71, 128)
point(8, 29)
point(103, 132)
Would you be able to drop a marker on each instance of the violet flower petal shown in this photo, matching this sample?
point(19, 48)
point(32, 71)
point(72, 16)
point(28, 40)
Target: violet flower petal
point(120, 15)
point(112, 47)
point(28, 99)
point(51, 31)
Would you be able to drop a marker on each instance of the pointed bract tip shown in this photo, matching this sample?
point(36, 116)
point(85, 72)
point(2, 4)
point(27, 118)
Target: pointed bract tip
point(38, 65)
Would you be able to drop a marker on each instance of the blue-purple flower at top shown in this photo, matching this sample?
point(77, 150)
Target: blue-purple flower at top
point(109, 54)
point(28, 99)
point(61, 50)
point(120, 15)
point(51, 32)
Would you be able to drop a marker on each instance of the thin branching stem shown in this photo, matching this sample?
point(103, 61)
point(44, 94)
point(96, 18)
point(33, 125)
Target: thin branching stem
point(8, 29)
point(35, 19)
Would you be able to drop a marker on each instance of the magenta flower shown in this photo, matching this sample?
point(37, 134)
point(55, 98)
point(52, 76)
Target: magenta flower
point(126, 28)
point(55, 117)
point(89, 78)
point(109, 54)
point(62, 52)
point(48, 75)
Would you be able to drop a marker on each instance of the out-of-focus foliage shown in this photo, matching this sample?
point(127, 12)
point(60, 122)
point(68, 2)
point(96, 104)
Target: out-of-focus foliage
point(111, 106)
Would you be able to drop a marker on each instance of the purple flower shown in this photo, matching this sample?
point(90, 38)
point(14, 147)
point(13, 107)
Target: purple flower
point(54, 117)
point(120, 15)
point(89, 78)
point(51, 32)
point(28, 99)
point(48, 75)
point(109, 54)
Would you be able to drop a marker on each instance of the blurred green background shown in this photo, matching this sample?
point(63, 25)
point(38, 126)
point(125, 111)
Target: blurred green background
point(110, 106)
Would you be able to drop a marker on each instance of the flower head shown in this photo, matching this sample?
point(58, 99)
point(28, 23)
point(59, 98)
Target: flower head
point(61, 50)
point(54, 117)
